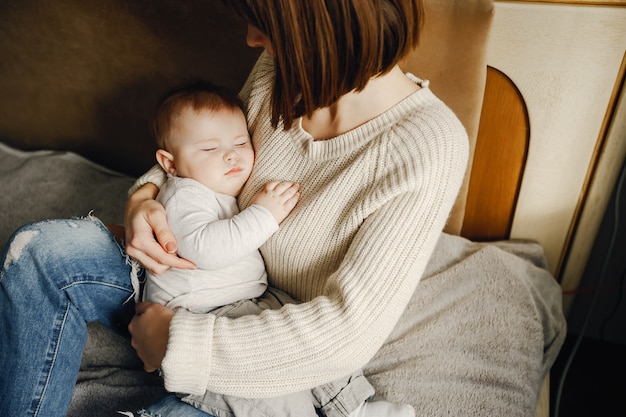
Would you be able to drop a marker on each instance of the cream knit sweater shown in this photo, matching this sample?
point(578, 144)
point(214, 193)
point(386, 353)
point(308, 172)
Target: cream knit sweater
point(374, 202)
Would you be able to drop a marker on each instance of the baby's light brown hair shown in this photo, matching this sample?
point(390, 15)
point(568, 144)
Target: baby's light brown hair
point(200, 96)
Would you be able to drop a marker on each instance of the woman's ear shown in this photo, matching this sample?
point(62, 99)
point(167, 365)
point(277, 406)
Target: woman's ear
point(166, 160)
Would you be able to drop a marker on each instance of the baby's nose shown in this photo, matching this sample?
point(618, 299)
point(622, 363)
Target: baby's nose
point(232, 155)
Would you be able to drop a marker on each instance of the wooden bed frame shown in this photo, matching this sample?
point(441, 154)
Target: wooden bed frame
point(499, 161)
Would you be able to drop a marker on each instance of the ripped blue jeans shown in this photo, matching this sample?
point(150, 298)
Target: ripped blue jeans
point(57, 276)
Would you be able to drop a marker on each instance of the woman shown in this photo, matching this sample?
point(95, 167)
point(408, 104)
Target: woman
point(380, 161)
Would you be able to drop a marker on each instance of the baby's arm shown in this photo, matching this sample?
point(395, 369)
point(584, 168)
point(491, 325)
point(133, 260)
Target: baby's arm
point(214, 243)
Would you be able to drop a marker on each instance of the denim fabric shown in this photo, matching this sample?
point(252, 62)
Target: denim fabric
point(341, 397)
point(56, 276)
point(300, 404)
point(336, 399)
point(172, 406)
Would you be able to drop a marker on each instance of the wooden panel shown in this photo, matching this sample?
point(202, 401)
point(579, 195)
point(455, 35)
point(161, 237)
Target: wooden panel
point(499, 160)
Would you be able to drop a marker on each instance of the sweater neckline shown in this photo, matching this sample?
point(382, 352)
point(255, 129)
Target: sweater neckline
point(340, 145)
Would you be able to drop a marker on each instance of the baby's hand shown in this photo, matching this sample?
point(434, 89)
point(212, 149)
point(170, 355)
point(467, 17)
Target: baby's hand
point(279, 197)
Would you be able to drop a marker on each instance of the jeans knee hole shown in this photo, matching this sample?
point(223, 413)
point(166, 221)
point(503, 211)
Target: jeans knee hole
point(17, 246)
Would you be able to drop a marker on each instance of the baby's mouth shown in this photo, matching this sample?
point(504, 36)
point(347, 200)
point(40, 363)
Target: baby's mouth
point(234, 170)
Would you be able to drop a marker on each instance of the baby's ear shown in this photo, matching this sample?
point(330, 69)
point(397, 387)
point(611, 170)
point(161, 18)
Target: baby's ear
point(166, 160)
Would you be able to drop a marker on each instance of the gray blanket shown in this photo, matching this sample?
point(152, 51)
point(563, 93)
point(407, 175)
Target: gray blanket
point(48, 184)
point(481, 332)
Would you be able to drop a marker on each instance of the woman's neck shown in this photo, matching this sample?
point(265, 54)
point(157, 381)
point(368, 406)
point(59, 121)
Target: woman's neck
point(356, 108)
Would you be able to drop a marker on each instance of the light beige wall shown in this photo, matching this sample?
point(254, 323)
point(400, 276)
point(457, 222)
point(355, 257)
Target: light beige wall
point(566, 60)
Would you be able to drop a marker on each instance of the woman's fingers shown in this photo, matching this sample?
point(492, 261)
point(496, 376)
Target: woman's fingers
point(150, 241)
point(155, 259)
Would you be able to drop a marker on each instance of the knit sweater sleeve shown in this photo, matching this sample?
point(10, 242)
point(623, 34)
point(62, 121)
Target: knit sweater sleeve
point(339, 330)
point(155, 175)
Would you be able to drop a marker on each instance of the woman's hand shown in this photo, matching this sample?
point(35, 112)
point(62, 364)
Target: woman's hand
point(148, 237)
point(150, 329)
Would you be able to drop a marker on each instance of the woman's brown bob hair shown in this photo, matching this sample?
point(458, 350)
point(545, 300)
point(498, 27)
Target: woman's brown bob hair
point(327, 48)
